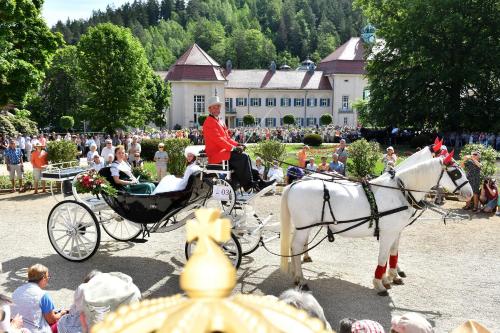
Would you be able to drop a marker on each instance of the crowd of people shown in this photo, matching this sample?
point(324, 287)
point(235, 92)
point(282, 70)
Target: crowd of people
point(31, 308)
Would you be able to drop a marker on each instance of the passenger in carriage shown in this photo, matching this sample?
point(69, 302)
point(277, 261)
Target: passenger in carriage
point(219, 146)
point(171, 183)
point(131, 184)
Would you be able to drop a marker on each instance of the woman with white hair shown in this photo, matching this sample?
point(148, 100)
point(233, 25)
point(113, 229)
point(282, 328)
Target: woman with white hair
point(171, 183)
point(92, 152)
point(304, 301)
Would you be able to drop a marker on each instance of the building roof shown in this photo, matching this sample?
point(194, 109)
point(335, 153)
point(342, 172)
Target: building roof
point(195, 65)
point(196, 56)
point(347, 59)
point(266, 79)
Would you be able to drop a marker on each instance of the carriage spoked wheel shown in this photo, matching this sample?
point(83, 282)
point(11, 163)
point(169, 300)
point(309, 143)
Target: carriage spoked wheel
point(223, 197)
point(231, 248)
point(117, 227)
point(73, 230)
point(246, 227)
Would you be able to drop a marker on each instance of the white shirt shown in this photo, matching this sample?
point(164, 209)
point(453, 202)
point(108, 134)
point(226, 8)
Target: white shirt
point(275, 173)
point(108, 151)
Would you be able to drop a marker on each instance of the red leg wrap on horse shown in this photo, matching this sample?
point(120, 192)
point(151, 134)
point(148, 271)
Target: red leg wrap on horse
point(379, 272)
point(393, 261)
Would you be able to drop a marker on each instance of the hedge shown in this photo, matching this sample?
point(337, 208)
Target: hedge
point(175, 150)
point(314, 140)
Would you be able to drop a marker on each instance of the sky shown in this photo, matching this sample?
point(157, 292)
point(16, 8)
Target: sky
point(54, 10)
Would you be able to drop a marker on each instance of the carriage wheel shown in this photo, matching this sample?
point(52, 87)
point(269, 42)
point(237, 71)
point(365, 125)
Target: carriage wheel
point(226, 205)
point(231, 248)
point(117, 227)
point(247, 228)
point(73, 230)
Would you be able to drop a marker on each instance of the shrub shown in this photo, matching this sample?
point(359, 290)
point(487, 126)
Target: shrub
point(269, 150)
point(24, 125)
point(61, 151)
point(325, 119)
point(314, 140)
point(66, 122)
point(6, 126)
point(289, 119)
point(488, 158)
point(421, 141)
point(201, 119)
point(363, 157)
point(248, 120)
point(175, 150)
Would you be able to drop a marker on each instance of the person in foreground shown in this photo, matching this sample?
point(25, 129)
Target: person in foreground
point(304, 301)
point(171, 183)
point(130, 184)
point(219, 146)
point(34, 304)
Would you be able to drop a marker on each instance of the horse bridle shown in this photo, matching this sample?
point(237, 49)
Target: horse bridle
point(454, 175)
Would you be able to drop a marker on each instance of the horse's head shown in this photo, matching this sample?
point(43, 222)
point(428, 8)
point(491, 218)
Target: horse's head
point(453, 178)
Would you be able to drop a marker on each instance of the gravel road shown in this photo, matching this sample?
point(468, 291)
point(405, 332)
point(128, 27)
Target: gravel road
point(453, 270)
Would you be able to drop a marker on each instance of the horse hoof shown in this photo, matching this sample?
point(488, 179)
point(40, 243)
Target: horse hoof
point(398, 281)
point(402, 274)
point(387, 285)
point(305, 287)
point(307, 259)
point(383, 293)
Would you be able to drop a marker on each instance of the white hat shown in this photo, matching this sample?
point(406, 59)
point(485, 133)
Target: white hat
point(411, 323)
point(214, 100)
point(105, 292)
point(390, 147)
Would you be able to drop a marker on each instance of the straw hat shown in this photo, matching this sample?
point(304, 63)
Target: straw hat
point(471, 326)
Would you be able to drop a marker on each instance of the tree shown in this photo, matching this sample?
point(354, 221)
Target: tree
point(166, 8)
point(248, 120)
point(6, 126)
point(114, 73)
point(289, 119)
point(251, 49)
point(437, 67)
point(60, 93)
point(325, 119)
point(26, 47)
point(160, 98)
point(66, 122)
point(201, 119)
point(361, 105)
point(210, 36)
point(286, 58)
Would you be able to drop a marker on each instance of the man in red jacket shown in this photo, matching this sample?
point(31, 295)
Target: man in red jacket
point(219, 146)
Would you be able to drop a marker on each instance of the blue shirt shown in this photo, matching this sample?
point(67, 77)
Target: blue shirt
point(14, 155)
point(46, 304)
point(338, 167)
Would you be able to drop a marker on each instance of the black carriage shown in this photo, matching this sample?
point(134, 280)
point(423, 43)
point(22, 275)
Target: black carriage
point(74, 230)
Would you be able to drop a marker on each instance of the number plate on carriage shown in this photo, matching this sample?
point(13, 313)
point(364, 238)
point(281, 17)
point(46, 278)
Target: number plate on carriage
point(221, 192)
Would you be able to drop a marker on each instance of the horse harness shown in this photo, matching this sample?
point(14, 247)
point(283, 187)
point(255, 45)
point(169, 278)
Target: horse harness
point(374, 217)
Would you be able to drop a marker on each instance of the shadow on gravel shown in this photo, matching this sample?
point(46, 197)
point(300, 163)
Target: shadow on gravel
point(339, 298)
point(64, 274)
point(21, 197)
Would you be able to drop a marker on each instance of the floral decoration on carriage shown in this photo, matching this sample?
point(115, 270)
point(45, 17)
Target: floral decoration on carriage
point(91, 182)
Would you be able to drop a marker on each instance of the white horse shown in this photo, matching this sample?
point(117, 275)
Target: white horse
point(302, 205)
point(422, 155)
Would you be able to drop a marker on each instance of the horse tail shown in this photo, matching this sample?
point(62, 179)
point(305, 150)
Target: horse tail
point(285, 235)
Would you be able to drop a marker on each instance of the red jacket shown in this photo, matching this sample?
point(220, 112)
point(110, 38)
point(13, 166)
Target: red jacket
point(218, 143)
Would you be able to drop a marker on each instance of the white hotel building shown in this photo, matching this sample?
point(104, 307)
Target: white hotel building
point(307, 92)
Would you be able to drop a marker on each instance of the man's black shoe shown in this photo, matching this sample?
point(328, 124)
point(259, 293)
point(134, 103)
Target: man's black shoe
point(265, 183)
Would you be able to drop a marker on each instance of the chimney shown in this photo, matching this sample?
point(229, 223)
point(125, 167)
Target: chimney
point(229, 66)
point(272, 67)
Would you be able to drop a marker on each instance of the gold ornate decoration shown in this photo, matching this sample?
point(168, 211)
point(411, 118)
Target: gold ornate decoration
point(208, 279)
